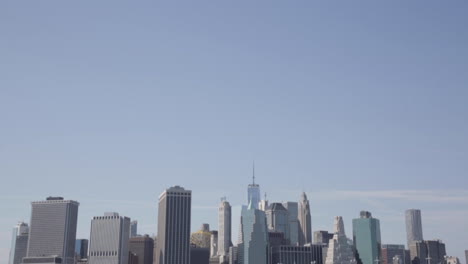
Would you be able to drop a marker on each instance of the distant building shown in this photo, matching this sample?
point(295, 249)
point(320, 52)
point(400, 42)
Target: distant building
point(233, 255)
point(388, 252)
point(305, 221)
point(339, 250)
point(52, 229)
point(366, 238)
point(202, 237)
point(296, 254)
point(134, 228)
point(278, 219)
point(81, 248)
point(173, 243)
point(254, 236)
point(109, 239)
point(293, 214)
point(199, 255)
point(253, 192)
point(276, 239)
point(466, 256)
point(322, 237)
point(414, 230)
point(142, 247)
point(224, 230)
point(214, 244)
point(427, 252)
point(19, 243)
point(451, 260)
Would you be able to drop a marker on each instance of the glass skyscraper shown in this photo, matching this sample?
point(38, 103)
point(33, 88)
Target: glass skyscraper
point(366, 238)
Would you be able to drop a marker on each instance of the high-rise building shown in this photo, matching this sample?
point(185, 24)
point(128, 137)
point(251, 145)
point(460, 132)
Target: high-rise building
point(53, 229)
point(142, 247)
point(414, 230)
point(233, 255)
point(254, 236)
point(134, 228)
point(305, 221)
point(253, 192)
point(109, 239)
point(293, 213)
point(81, 248)
point(339, 250)
point(19, 243)
point(366, 238)
point(427, 252)
point(278, 219)
point(201, 238)
point(296, 254)
point(263, 205)
point(388, 252)
point(466, 256)
point(224, 230)
point(174, 216)
point(322, 237)
point(214, 244)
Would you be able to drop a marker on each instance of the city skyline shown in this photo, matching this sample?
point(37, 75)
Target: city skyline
point(361, 105)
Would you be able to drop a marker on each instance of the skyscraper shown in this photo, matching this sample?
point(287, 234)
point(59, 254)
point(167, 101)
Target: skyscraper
point(427, 252)
point(305, 221)
point(224, 230)
point(81, 248)
point(53, 229)
point(19, 243)
point(322, 237)
point(214, 244)
point(253, 192)
point(134, 228)
point(109, 239)
point(391, 251)
point(366, 237)
point(293, 214)
point(142, 247)
point(174, 215)
point(413, 226)
point(254, 236)
point(339, 251)
point(278, 219)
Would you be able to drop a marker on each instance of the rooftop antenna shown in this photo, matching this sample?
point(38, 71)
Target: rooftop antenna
point(253, 173)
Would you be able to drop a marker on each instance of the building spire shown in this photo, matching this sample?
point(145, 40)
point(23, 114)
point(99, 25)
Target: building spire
point(253, 173)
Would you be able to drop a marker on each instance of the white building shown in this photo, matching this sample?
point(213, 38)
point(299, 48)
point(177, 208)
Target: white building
point(224, 230)
point(305, 221)
point(339, 250)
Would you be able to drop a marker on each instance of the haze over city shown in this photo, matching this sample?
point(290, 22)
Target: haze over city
point(362, 105)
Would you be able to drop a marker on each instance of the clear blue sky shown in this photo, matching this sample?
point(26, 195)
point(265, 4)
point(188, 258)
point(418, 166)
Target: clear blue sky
point(362, 104)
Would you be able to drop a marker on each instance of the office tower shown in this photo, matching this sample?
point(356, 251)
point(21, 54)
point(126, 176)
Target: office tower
point(202, 237)
point(388, 252)
point(81, 248)
point(413, 226)
point(296, 254)
point(466, 256)
point(199, 255)
point(173, 243)
point(214, 244)
point(427, 252)
point(322, 237)
point(142, 247)
point(339, 250)
point(263, 205)
point(109, 237)
point(253, 192)
point(53, 229)
point(134, 228)
point(254, 236)
point(278, 219)
point(19, 243)
point(366, 238)
point(233, 255)
point(224, 230)
point(305, 221)
point(293, 213)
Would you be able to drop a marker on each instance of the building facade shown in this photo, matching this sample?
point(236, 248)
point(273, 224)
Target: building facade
point(427, 252)
point(278, 219)
point(202, 237)
point(388, 253)
point(339, 250)
point(253, 193)
point(305, 221)
point(414, 230)
point(134, 228)
point(296, 254)
point(254, 237)
point(293, 213)
point(322, 237)
point(224, 230)
point(109, 239)
point(19, 243)
point(366, 238)
point(174, 217)
point(142, 247)
point(81, 248)
point(53, 229)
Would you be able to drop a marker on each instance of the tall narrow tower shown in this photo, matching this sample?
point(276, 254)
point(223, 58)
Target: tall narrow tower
point(414, 231)
point(366, 238)
point(173, 241)
point(224, 229)
point(305, 221)
point(253, 192)
point(19, 243)
point(53, 229)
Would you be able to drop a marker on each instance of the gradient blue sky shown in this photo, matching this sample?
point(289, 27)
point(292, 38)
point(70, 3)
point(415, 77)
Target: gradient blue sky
point(362, 104)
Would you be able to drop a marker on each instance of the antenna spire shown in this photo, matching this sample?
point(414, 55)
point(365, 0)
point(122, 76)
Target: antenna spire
point(253, 173)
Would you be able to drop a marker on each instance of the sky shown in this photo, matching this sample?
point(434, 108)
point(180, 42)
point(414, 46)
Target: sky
point(360, 104)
